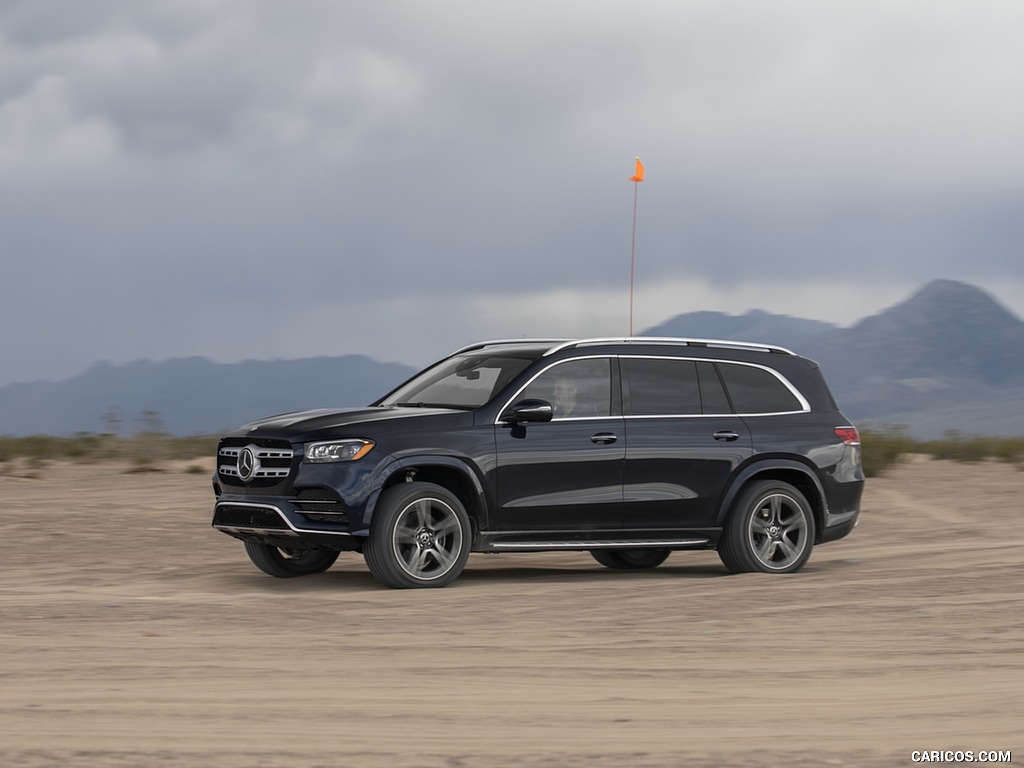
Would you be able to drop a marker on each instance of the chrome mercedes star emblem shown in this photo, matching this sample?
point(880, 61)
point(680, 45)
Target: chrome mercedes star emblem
point(247, 463)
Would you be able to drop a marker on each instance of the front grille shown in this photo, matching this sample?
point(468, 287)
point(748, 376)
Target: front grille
point(247, 516)
point(273, 461)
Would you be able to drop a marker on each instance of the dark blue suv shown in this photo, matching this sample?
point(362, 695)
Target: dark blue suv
point(626, 448)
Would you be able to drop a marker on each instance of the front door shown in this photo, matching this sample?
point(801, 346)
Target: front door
point(565, 474)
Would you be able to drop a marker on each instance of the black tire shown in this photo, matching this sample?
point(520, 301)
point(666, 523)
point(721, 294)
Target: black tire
point(770, 530)
point(420, 536)
point(288, 563)
point(630, 559)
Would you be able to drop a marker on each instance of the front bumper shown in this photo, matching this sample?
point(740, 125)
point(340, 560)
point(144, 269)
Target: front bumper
point(280, 522)
point(295, 503)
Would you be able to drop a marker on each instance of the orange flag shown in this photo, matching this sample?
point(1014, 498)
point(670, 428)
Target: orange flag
point(639, 171)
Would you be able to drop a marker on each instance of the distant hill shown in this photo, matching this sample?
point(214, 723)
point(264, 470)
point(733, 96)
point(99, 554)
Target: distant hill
point(192, 396)
point(756, 325)
point(948, 333)
point(948, 358)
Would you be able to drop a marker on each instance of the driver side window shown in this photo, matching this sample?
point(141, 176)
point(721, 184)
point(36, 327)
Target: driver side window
point(576, 389)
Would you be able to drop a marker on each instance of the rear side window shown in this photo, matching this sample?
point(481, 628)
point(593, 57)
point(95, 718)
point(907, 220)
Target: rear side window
point(668, 387)
point(662, 387)
point(758, 390)
point(711, 391)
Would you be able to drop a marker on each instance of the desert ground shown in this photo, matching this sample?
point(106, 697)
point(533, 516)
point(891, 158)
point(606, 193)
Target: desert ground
point(133, 634)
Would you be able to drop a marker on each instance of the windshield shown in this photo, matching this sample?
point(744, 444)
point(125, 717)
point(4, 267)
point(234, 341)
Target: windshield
point(464, 381)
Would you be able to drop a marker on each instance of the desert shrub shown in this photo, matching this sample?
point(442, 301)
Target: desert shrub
point(883, 448)
point(956, 446)
point(199, 446)
point(144, 448)
point(142, 465)
point(83, 445)
point(971, 448)
point(37, 447)
point(1008, 449)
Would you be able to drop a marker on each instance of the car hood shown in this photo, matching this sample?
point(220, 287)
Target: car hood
point(300, 425)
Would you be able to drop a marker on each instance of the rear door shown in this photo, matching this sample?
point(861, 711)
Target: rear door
point(682, 442)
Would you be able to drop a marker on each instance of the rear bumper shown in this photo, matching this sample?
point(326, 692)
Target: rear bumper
point(842, 508)
point(840, 527)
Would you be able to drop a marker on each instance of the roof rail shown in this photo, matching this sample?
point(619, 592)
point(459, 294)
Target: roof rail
point(719, 343)
point(499, 342)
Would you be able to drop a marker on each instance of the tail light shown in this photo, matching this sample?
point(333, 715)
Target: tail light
point(849, 435)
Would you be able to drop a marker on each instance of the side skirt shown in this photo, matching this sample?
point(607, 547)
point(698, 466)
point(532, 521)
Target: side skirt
point(547, 541)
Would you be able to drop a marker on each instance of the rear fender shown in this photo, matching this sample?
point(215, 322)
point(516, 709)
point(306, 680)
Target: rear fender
point(787, 470)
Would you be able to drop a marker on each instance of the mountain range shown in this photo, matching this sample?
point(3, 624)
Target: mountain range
point(948, 358)
point(191, 396)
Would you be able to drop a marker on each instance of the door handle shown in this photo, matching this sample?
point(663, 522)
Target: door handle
point(726, 435)
point(604, 438)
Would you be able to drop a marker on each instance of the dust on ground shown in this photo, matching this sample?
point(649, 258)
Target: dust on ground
point(133, 634)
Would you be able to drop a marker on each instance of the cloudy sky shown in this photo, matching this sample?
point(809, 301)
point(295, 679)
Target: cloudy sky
point(257, 179)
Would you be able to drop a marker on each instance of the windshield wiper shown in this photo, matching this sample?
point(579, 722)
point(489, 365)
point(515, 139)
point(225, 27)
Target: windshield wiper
point(421, 404)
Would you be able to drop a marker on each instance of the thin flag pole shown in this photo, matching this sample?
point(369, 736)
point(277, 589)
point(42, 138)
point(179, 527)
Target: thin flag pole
point(636, 178)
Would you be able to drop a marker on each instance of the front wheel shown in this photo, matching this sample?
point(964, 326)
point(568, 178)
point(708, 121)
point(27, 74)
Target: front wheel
point(420, 536)
point(770, 529)
point(286, 563)
point(630, 559)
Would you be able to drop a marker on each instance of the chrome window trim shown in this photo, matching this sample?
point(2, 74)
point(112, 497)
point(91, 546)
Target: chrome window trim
point(640, 417)
point(805, 406)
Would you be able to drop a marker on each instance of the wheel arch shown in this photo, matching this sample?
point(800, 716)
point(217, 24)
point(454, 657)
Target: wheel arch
point(448, 472)
point(790, 471)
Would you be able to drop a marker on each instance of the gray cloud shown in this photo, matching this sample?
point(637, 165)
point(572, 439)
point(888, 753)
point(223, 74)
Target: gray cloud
point(254, 179)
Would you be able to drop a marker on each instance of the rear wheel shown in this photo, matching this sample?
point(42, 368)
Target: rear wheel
point(770, 529)
point(630, 559)
point(420, 536)
point(286, 563)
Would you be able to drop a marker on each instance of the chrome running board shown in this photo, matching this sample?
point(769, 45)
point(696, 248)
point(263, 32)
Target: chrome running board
point(604, 544)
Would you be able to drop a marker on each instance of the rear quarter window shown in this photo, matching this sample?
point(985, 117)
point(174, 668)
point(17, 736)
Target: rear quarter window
point(758, 390)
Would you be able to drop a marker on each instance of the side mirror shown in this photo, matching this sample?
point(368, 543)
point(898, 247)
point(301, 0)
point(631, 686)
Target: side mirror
point(530, 411)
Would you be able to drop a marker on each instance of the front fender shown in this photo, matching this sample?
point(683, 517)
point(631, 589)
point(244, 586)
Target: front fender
point(449, 471)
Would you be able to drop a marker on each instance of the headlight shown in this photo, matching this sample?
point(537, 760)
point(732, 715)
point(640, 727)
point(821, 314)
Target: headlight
point(337, 450)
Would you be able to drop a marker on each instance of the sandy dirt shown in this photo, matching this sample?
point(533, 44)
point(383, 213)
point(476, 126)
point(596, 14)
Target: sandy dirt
point(133, 634)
